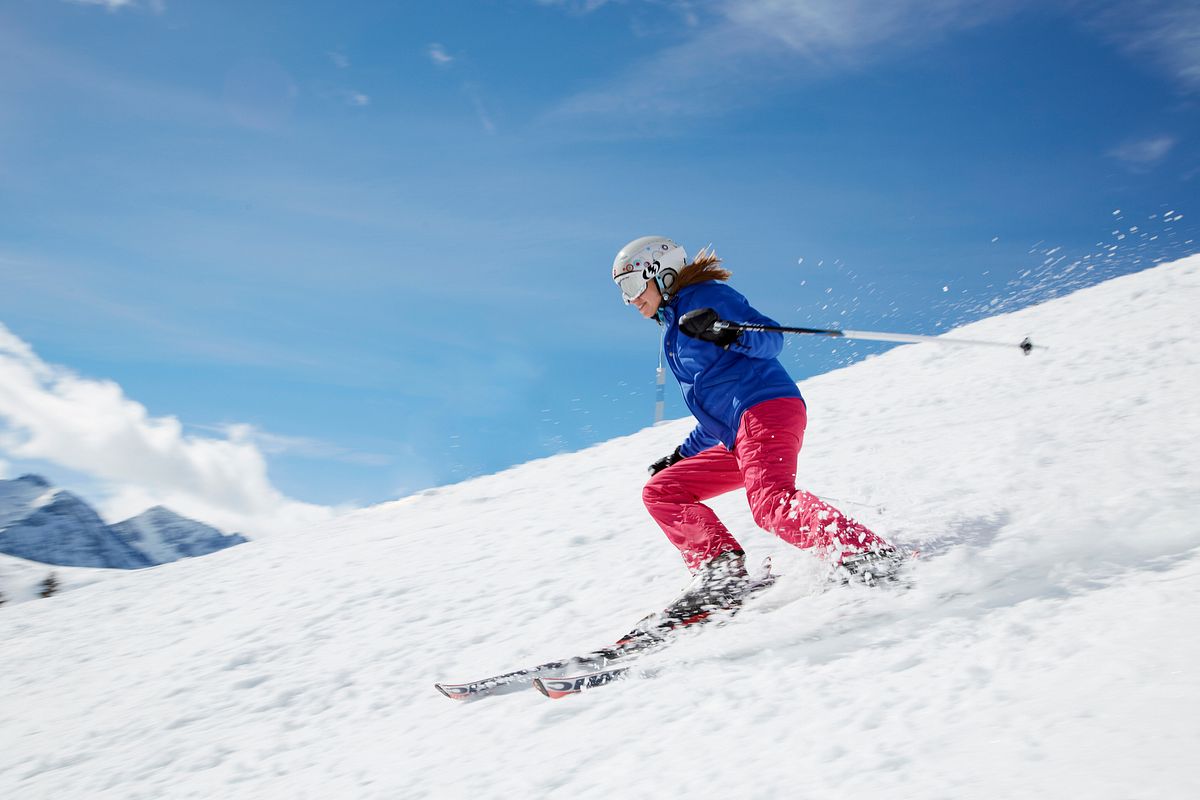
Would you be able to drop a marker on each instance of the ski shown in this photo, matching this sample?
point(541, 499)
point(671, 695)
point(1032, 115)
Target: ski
point(649, 635)
point(556, 688)
point(516, 680)
point(521, 679)
point(886, 573)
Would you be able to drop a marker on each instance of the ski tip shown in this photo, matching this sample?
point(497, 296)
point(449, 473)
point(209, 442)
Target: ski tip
point(559, 687)
point(454, 691)
point(554, 689)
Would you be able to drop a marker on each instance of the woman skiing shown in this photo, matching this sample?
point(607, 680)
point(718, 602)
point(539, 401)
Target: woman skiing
point(751, 421)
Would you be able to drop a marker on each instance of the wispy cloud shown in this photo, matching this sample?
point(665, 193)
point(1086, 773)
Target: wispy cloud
point(1166, 32)
point(28, 64)
point(351, 97)
point(581, 6)
point(302, 446)
point(728, 45)
point(438, 55)
point(111, 5)
point(481, 112)
point(739, 41)
point(442, 59)
point(46, 286)
point(1142, 154)
point(155, 6)
point(49, 413)
point(853, 29)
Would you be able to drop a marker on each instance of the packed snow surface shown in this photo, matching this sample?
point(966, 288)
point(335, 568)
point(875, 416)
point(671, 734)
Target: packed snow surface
point(1047, 649)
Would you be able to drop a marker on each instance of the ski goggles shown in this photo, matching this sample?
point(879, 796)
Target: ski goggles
point(632, 284)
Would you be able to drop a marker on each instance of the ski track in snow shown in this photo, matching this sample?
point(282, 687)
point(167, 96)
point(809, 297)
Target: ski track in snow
point(1047, 649)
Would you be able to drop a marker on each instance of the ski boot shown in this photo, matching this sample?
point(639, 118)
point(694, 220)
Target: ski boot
point(718, 586)
point(871, 567)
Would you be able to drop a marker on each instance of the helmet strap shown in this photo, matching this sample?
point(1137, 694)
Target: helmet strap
point(666, 296)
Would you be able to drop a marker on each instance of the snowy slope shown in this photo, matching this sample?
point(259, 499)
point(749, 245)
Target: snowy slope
point(1047, 650)
point(21, 579)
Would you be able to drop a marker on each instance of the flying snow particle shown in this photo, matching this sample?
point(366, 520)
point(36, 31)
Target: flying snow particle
point(945, 288)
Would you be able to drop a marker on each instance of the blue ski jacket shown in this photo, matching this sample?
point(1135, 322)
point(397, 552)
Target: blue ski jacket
point(719, 385)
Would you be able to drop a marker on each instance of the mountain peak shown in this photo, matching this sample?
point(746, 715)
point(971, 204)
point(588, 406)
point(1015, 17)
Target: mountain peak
point(34, 480)
point(55, 526)
point(164, 535)
point(158, 514)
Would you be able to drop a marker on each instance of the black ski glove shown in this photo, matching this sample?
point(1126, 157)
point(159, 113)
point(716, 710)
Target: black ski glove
point(666, 461)
point(699, 324)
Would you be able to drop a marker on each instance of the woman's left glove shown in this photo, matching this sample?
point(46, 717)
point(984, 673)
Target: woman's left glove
point(666, 461)
point(702, 324)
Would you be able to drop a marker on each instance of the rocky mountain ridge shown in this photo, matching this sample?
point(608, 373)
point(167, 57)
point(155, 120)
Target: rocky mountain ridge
point(40, 522)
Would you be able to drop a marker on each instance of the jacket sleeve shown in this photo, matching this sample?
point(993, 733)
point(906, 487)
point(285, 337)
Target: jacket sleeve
point(698, 441)
point(733, 307)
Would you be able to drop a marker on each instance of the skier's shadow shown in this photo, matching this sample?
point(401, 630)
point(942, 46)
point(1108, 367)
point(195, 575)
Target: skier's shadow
point(976, 533)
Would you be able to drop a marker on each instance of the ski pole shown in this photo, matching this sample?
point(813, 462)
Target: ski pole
point(1026, 345)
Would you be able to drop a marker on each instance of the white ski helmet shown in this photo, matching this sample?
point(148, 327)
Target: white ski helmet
point(649, 258)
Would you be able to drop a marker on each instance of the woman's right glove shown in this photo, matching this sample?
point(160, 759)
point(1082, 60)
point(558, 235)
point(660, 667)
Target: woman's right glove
point(666, 461)
point(706, 324)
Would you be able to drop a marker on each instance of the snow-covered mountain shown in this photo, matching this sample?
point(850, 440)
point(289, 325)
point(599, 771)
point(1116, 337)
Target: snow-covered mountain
point(1046, 649)
point(161, 535)
point(21, 497)
point(56, 527)
point(41, 523)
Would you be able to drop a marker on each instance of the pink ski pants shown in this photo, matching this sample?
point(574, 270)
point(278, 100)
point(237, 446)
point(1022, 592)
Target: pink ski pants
point(764, 462)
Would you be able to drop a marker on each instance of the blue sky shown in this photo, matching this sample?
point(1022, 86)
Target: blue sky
point(364, 247)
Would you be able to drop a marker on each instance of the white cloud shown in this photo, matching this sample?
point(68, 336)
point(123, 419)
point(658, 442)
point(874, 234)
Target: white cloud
point(584, 6)
point(111, 5)
point(485, 119)
point(277, 444)
point(339, 59)
point(439, 56)
point(158, 7)
point(50, 413)
point(853, 28)
point(357, 99)
point(1167, 32)
point(741, 41)
point(728, 45)
point(1142, 154)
